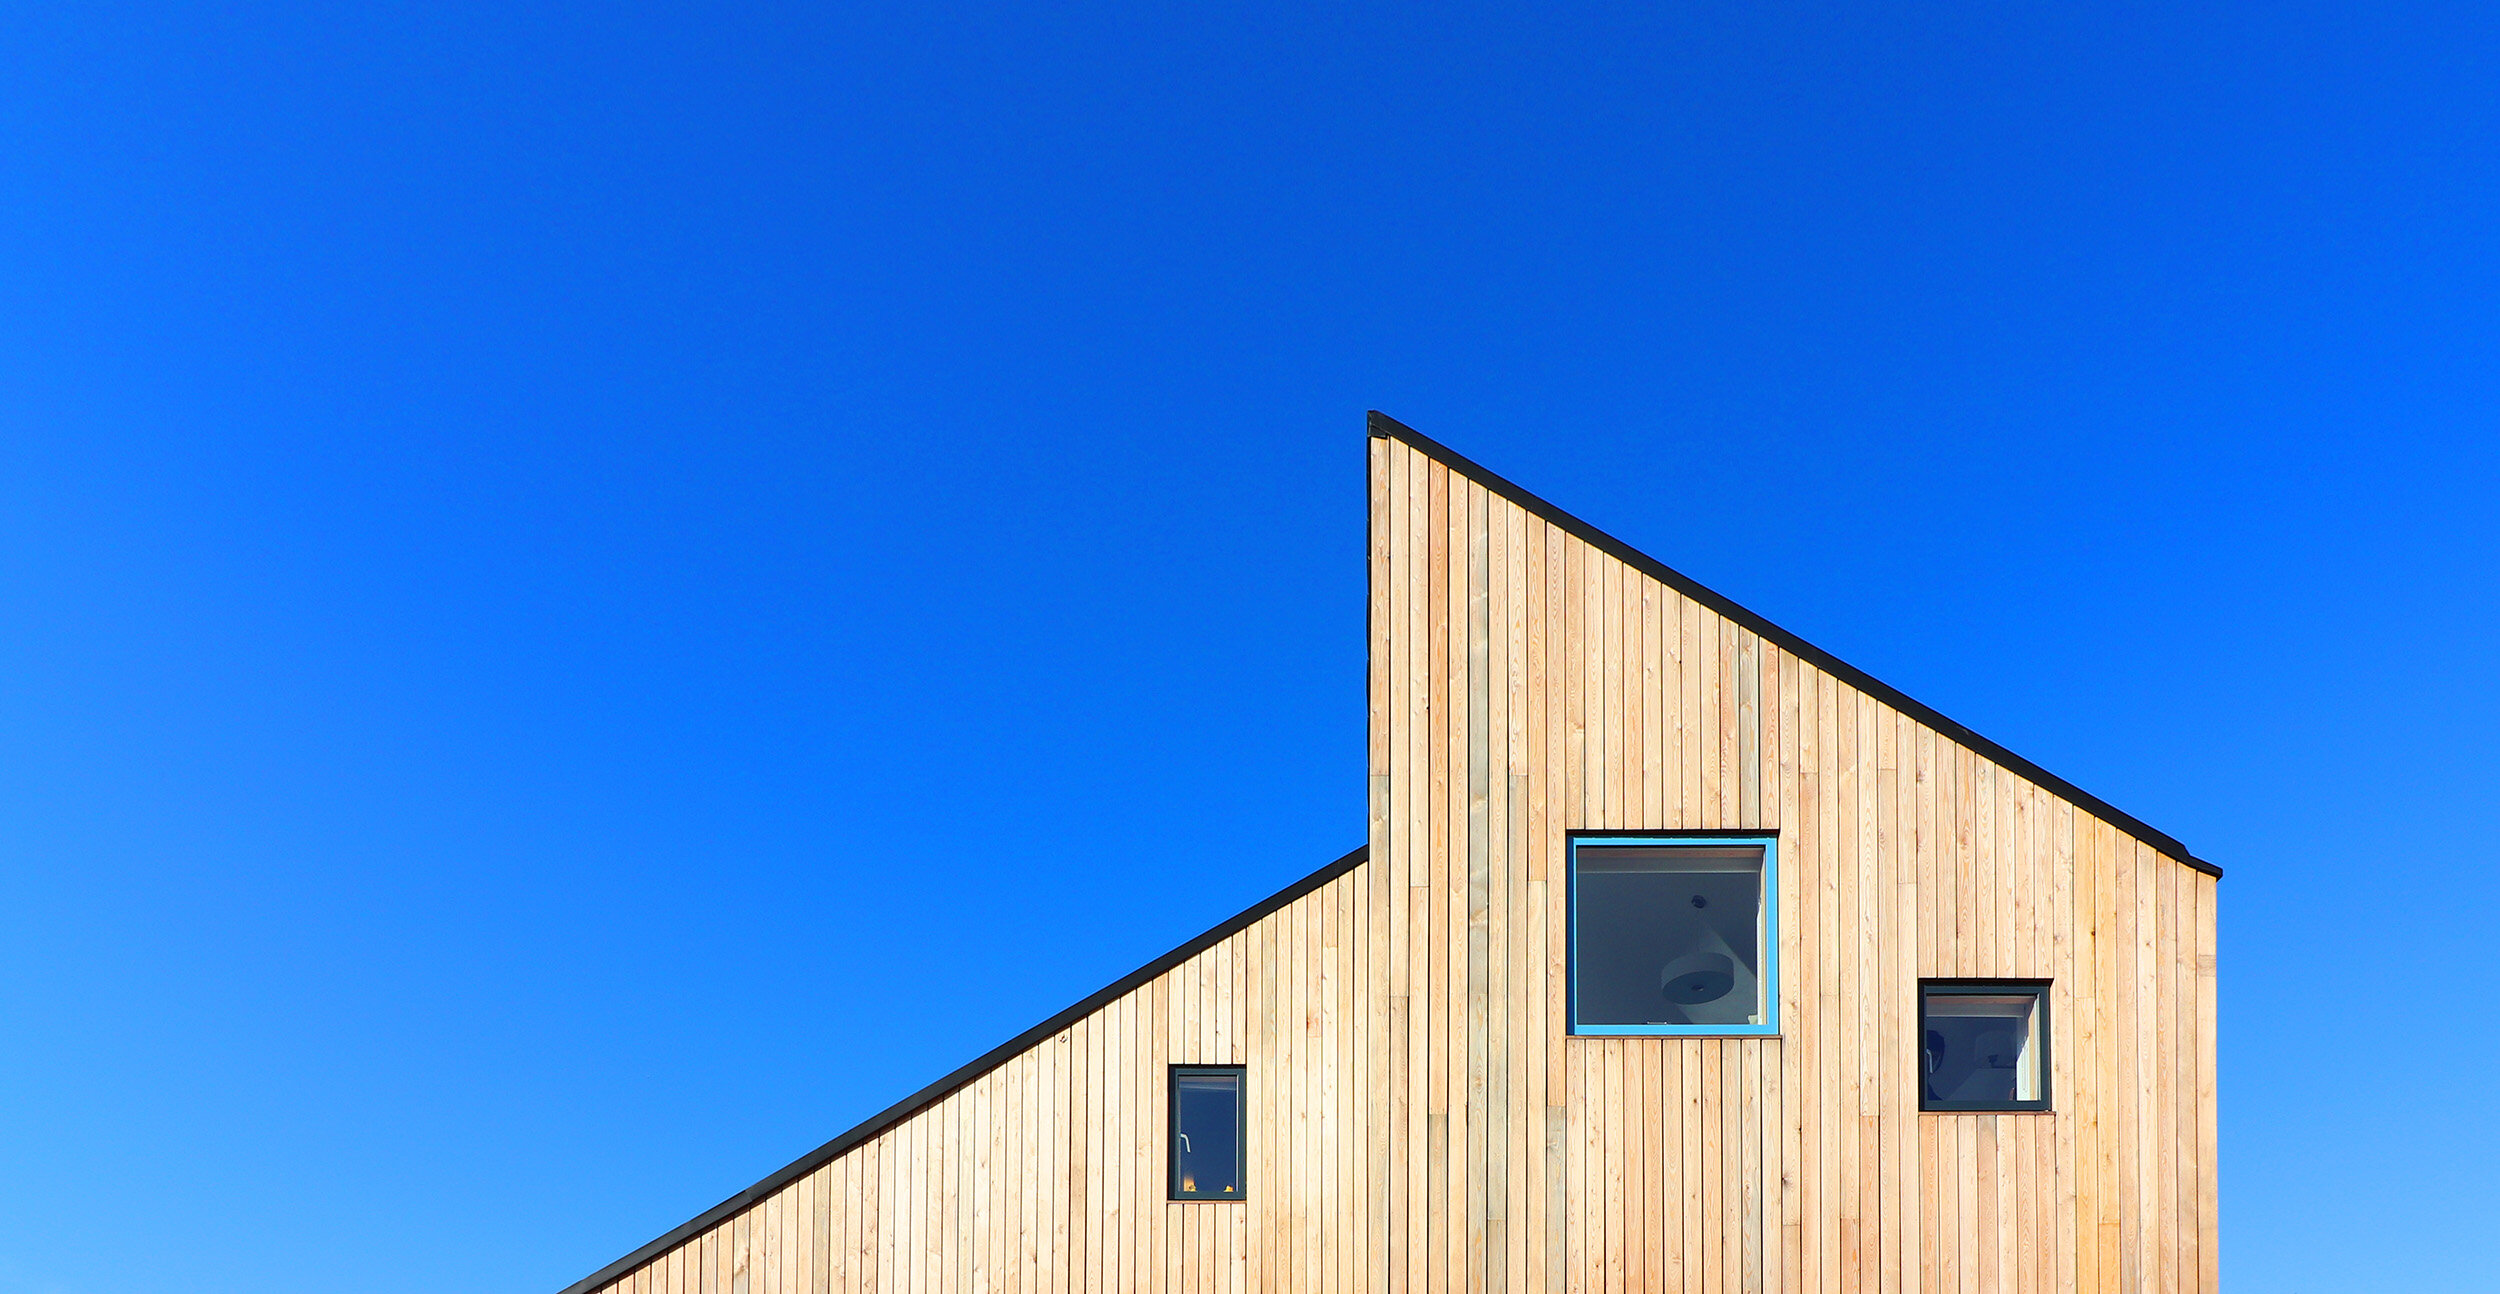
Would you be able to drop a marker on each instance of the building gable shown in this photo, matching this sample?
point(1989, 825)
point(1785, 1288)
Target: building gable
point(1418, 1114)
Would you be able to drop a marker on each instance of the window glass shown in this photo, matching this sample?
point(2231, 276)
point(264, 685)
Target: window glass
point(1983, 1048)
point(1666, 936)
point(1206, 1134)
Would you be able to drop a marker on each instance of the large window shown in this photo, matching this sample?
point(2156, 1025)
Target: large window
point(1983, 1045)
point(1674, 935)
point(1207, 1130)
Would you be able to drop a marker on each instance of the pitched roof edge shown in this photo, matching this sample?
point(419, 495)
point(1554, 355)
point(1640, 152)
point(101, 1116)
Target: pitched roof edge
point(947, 1086)
point(1384, 427)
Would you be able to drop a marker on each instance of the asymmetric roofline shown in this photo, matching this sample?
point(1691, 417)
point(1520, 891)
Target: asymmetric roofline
point(1384, 427)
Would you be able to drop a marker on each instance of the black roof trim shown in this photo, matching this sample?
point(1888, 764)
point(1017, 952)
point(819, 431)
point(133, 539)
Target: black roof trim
point(934, 1092)
point(1387, 428)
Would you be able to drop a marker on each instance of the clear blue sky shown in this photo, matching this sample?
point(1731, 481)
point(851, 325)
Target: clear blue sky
point(590, 594)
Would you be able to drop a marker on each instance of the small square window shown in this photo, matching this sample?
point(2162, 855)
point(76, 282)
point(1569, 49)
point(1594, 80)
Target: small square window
point(1207, 1132)
point(1983, 1045)
point(1673, 935)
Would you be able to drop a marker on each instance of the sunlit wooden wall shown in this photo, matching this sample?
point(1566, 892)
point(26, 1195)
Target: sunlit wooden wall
point(1418, 1119)
point(1525, 684)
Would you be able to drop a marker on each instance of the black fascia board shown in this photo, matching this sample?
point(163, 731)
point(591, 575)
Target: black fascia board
point(1384, 427)
point(947, 1086)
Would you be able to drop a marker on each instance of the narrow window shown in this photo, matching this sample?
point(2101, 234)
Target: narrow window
point(1983, 1045)
point(1673, 935)
point(1206, 1132)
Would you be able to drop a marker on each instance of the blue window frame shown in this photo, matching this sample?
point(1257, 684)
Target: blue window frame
point(1674, 934)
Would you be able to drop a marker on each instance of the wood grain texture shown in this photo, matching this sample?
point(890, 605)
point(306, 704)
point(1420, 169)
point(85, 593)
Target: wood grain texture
point(1418, 1118)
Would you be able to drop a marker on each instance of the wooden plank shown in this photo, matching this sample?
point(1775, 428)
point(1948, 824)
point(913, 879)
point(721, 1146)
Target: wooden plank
point(1690, 673)
point(1643, 1226)
point(1606, 725)
point(1557, 801)
point(1890, 976)
point(1934, 1275)
point(1605, 1128)
point(1402, 1184)
point(1529, 1223)
point(1710, 721)
point(1590, 1195)
point(1670, 1217)
point(1731, 749)
point(2022, 940)
point(1920, 1187)
point(1795, 960)
point(1512, 878)
point(961, 1240)
point(2130, 1210)
point(772, 1249)
point(1865, 932)
point(1331, 920)
point(1714, 1180)
point(1478, 885)
point(2109, 963)
point(2078, 1039)
point(2022, 1180)
point(2181, 1076)
point(1106, 1242)
point(1377, 975)
point(1731, 1164)
point(1631, 1119)
point(1809, 1017)
point(1957, 1211)
point(1748, 730)
point(1969, 958)
point(1655, 789)
point(1427, 718)
point(1024, 1127)
point(2149, 871)
point(1749, 1159)
point(2208, 1200)
point(1310, 1064)
point(1849, 977)
point(1991, 1220)
point(2066, 1179)
point(1576, 1194)
point(1433, 929)
point(1694, 1212)
point(2169, 1153)
point(1987, 932)
point(1134, 1141)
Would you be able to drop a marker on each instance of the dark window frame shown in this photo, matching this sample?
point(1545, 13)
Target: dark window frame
point(1172, 1192)
point(1767, 923)
point(2043, 1039)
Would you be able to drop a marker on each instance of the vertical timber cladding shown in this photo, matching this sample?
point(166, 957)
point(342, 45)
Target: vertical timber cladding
point(1527, 682)
point(1044, 1173)
point(1417, 1119)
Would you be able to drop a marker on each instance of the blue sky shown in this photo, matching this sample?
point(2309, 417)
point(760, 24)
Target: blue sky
point(591, 594)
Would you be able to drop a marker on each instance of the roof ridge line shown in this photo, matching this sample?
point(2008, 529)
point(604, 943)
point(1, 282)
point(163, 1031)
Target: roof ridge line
point(955, 1081)
point(1383, 427)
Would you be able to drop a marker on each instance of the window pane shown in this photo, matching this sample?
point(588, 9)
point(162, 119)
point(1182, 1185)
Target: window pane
point(1982, 1048)
point(1206, 1134)
point(1668, 935)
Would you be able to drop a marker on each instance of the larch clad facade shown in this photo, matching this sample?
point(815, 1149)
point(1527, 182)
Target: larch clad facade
point(1417, 1113)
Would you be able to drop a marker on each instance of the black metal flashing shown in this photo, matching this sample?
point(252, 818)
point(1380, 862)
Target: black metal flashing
point(1384, 427)
point(992, 1059)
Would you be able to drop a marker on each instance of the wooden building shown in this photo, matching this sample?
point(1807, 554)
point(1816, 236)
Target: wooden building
point(1948, 1027)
